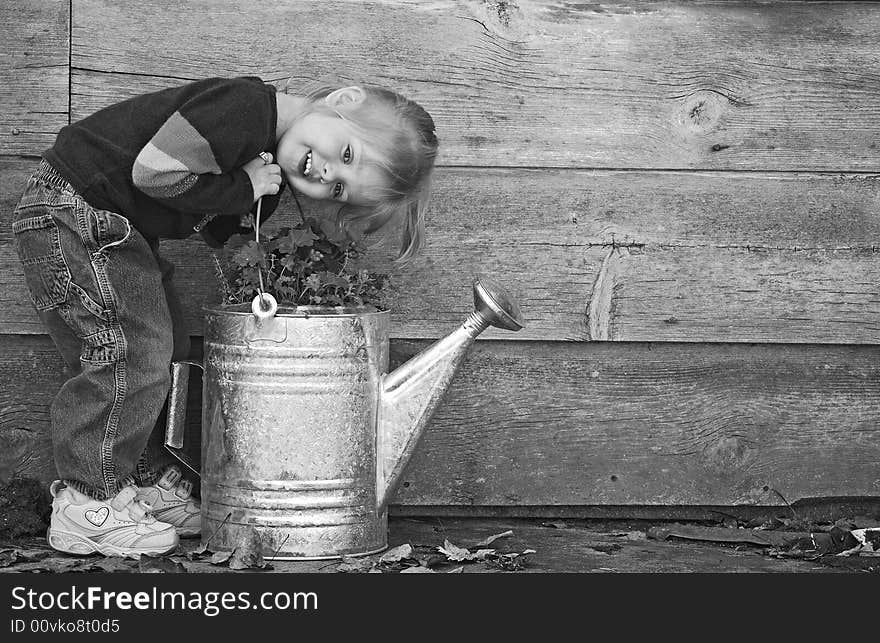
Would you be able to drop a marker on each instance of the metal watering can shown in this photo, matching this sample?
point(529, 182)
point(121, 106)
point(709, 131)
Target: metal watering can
point(305, 434)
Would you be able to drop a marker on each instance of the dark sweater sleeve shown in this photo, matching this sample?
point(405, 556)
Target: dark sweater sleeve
point(193, 163)
point(217, 231)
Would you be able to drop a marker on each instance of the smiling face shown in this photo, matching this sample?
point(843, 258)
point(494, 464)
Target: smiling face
point(323, 158)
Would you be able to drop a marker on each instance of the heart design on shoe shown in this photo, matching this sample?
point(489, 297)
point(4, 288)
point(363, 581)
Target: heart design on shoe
point(98, 517)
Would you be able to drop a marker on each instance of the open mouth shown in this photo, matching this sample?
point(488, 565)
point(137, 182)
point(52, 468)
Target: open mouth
point(305, 165)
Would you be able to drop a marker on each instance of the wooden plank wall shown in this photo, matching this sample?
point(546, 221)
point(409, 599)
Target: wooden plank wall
point(683, 196)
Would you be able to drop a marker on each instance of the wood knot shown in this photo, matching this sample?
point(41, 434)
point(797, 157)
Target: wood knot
point(702, 110)
point(727, 455)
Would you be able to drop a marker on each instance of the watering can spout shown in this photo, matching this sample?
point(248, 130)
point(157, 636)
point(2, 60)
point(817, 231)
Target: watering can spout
point(411, 393)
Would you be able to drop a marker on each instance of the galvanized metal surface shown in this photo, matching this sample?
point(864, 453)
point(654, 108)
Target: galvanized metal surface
point(176, 417)
point(304, 436)
point(288, 432)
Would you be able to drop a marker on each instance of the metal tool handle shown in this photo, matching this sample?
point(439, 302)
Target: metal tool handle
point(175, 426)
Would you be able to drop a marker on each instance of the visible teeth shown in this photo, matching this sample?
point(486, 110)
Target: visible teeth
point(308, 163)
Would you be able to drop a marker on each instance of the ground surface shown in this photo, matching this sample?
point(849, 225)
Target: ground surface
point(519, 546)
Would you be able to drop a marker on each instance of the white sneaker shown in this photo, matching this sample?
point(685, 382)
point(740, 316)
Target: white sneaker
point(170, 501)
point(120, 526)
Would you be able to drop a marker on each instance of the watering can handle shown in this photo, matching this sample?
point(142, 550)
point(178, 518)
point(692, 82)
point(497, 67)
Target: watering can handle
point(175, 425)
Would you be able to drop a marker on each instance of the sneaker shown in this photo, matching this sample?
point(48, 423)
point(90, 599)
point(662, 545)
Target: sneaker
point(120, 526)
point(170, 500)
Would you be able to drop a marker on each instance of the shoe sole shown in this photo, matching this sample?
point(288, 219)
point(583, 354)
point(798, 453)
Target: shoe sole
point(71, 543)
point(188, 533)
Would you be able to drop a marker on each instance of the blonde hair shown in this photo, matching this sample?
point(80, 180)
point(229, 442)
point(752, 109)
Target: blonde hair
point(403, 142)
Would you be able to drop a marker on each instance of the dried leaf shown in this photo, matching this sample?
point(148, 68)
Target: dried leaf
point(417, 570)
point(513, 561)
point(429, 559)
point(868, 543)
point(199, 554)
point(112, 564)
point(491, 539)
point(356, 565)
point(159, 565)
point(459, 554)
point(457, 570)
point(247, 560)
point(248, 553)
point(53, 565)
point(396, 554)
point(220, 557)
point(508, 562)
point(10, 557)
point(453, 552)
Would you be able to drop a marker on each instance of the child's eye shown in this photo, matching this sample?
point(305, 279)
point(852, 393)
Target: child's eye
point(346, 154)
point(337, 190)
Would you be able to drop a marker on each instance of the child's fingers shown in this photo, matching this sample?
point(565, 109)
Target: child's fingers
point(273, 178)
point(265, 176)
point(273, 173)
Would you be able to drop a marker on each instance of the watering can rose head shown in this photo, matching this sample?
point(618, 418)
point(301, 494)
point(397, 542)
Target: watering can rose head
point(313, 263)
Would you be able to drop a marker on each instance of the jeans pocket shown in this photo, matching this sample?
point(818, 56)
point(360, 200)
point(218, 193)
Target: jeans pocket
point(111, 230)
point(38, 243)
point(100, 348)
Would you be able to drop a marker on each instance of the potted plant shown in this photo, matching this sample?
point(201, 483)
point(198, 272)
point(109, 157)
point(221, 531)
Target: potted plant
point(313, 263)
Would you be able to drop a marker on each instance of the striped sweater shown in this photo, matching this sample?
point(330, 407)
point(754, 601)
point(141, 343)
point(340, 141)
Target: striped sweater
point(171, 161)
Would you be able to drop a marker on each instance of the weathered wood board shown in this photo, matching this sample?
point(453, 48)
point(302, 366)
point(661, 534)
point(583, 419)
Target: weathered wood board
point(668, 424)
point(34, 66)
point(720, 85)
point(665, 175)
point(596, 255)
point(554, 423)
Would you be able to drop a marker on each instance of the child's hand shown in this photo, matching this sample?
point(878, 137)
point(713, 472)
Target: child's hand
point(264, 174)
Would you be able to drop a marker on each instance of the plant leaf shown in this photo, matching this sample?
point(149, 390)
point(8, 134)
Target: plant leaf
point(250, 254)
point(298, 238)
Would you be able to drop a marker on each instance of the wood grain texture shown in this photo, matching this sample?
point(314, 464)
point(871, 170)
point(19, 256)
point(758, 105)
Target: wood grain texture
point(667, 424)
point(557, 424)
point(31, 371)
point(34, 66)
point(716, 256)
point(700, 85)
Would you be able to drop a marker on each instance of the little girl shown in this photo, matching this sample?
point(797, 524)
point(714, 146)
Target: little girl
point(165, 165)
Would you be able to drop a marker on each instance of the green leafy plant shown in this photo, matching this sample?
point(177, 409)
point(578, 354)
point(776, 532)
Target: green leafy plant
point(313, 263)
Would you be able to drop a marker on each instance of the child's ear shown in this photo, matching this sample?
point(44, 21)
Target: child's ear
point(345, 95)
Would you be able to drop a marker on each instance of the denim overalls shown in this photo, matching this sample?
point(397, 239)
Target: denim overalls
point(105, 297)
